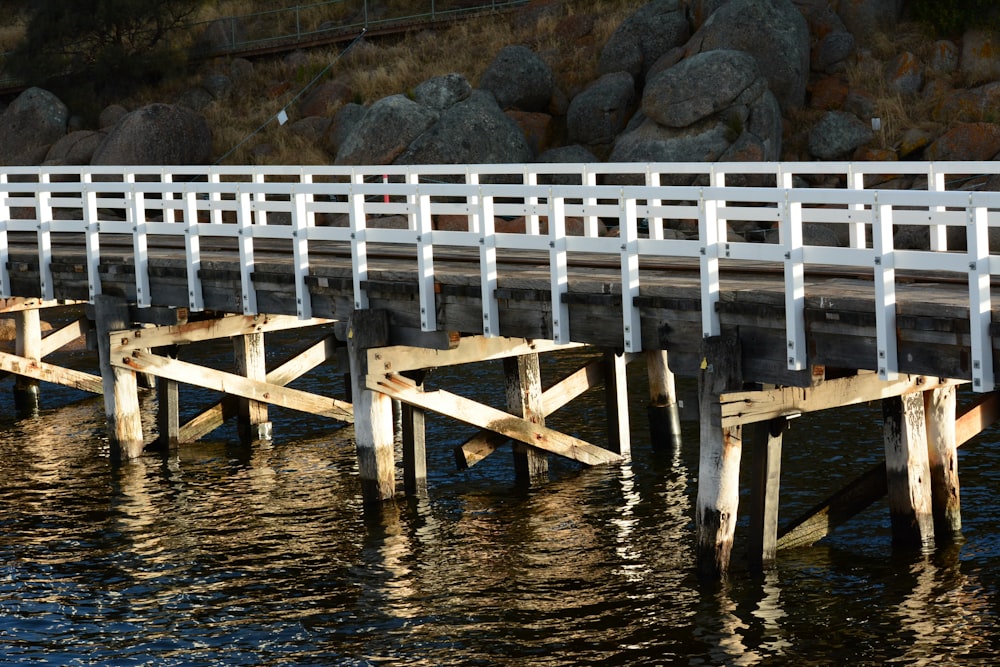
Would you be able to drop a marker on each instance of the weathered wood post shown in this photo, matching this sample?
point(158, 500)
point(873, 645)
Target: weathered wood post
point(250, 360)
point(27, 344)
point(414, 443)
point(523, 386)
point(664, 408)
point(616, 401)
point(121, 390)
point(373, 432)
point(168, 423)
point(766, 461)
point(907, 469)
point(719, 461)
point(940, 408)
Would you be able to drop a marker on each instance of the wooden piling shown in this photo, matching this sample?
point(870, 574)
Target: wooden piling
point(28, 345)
point(523, 386)
point(907, 470)
point(121, 390)
point(766, 481)
point(719, 461)
point(250, 360)
point(168, 422)
point(373, 432)
point(664, 408)
point(616, 402)
point(942, 443)
point(414, 443)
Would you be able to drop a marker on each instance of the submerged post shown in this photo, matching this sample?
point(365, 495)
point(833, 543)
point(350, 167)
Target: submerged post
point(766, 459)
point(719, 462)
point(523, 384)
point(249, 355)
point(942, 449)
point(121, 390)
point(664, 408)
point(414, 443)
point(908, 471)
point(616, 401)
point(373, 422)
point(28, 345)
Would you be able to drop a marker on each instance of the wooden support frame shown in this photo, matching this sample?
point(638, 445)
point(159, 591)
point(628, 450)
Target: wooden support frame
point(817, 522)
point(766, 475)
point(214, 416)
point(908, 471)
point(121, 391)
point(249, 357)
point(485, 442)
point(28, 346)
point(468, 411)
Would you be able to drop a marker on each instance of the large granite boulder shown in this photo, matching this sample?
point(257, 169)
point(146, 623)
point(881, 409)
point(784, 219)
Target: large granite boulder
point(75, 148)
point(475, 130)
point(519, 79)
point(34, 121)
point(599, 114)
point(640, 40)
point(837, 135)
point(441, 92)
point(700, 86)
point(385, 131)
point(161, 134)
point(774, 32)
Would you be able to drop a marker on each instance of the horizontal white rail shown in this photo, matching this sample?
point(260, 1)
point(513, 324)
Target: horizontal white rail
point(471, 206)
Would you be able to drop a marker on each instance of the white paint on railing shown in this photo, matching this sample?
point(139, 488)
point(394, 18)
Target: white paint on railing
point(248, 203)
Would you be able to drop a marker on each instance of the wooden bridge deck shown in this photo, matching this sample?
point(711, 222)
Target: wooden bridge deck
point(932, 314)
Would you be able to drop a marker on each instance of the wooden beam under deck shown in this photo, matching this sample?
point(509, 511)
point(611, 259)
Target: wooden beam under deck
point(484, 416)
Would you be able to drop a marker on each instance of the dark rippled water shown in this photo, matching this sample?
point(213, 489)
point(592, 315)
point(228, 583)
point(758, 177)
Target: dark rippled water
point(264, 555)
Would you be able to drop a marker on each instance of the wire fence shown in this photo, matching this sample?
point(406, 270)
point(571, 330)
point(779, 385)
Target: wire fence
point(310, 24)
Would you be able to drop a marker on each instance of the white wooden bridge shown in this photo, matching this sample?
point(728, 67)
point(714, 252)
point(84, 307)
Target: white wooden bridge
point(417, 267)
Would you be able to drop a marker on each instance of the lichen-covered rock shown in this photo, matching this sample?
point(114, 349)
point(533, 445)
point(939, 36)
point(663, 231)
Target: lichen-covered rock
point(30, 125)
point(700, 86)
point(966, 141)
point(980, 60)
point(838, 135)
point(385, 131)
point(864, 18)
point(599, 114)
point(441, 92)
point(519, 79)
point(341, 126)
point(905, 73)
point(473, 131)
point(774, 32)
point(643, 37)
point(651, 142)
point(157, 134)
point(75, 148)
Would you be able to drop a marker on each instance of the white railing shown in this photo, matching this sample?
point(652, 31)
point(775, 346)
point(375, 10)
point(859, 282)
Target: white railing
point(297, 204)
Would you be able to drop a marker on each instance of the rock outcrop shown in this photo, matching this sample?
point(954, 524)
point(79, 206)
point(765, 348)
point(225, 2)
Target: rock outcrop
point(34, 121)
point(161, 134)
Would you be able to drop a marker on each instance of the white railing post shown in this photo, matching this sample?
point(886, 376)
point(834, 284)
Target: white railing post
point(192, 250)
point(4, 247)
point(938, 233)
point(654, 225)
point(558, 269)
point(43, 211)
point(589, 179)
point(708, 235)
point(300, 253)
point(629, 228)
point(856, 181)
point(244, 219)
point(425, 263)
point(980, 302)
point(530, 179)
point(91, 234)
point(215, 196)
point(885, 291)
point(140, 249)
point(795, 297)
point(359, 241)
point(488, 267)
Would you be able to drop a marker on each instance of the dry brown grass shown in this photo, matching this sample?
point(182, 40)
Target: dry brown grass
point(377, 68)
